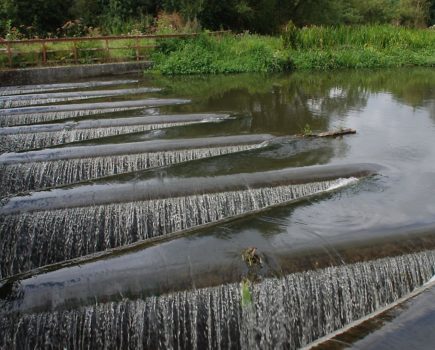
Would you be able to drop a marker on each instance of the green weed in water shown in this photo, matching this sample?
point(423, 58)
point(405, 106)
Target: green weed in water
point(307, 130)
point(245, 292)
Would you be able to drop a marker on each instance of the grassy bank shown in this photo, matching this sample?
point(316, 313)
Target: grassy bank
point(321, 48)
point(309, 48)
point(224, 54)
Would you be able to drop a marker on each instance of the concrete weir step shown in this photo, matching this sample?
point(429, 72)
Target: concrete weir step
point(62, 73)
point(24, 100)
point(27, 137)
point(40, 114)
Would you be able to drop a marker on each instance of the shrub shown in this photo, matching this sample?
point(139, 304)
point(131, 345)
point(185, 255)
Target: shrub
point(225, 54)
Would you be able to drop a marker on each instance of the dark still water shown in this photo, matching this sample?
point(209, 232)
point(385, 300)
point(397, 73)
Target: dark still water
point(136, 212)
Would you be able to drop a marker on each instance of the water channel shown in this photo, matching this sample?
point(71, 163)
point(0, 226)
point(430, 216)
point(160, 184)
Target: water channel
point(127, 207)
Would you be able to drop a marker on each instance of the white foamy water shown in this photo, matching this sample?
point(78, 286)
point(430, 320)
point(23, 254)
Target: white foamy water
point(288, 312)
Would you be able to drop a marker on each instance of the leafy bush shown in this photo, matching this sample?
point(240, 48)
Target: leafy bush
point(168, 23)
point(225, 54)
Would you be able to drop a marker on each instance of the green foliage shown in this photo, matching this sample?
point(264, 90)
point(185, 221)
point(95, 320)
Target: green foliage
point(307, 130)
point(190, 9)
point(226, 54)
point(290, 36)
point(413, 13)
point(251, 257)
point(43, 17)
point(363, 47)
point(379, 37)
point(245, 292)
point(375, 11)
point(309, 48)
point(73, 29)
point(88, 11)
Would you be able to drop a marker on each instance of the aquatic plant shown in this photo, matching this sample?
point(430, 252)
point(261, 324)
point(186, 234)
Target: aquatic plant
point(245, 292)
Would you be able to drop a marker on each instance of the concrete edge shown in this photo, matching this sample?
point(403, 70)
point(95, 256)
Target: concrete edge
point(41, 75)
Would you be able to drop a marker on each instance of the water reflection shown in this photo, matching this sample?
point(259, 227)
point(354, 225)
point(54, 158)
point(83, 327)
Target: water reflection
point(286, 103)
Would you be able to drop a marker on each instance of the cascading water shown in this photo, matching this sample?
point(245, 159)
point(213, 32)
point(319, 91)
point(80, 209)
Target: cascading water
point(124, 306)
point(39, 114)
point(78, 231)
point(29, 89)
point(287, 312)
point(37, 99)
point(37, 136)
point(69, 165)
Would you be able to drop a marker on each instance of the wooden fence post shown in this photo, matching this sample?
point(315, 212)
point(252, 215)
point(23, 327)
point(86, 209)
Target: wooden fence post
point(75, 54)
point(9, 54)
point(108, 49)
point(44, 53)
point(137, 49)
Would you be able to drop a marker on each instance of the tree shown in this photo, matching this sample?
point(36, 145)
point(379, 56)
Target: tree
point(413, 13)
point(43, 15)
point(432, 13)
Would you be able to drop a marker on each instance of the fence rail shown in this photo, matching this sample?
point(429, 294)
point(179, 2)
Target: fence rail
point(55, 51)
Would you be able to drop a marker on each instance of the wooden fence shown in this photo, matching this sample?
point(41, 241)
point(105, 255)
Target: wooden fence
point(60, 51)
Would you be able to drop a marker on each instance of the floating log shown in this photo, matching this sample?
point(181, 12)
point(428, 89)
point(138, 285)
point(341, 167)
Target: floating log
point(332, 133)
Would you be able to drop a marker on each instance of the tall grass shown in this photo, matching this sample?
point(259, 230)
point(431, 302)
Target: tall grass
point(376, 36)
point(362, 47)
point(308, 48)
point(225, 54)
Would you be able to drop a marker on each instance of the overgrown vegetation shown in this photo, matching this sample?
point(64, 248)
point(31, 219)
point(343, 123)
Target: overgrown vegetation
point(363, 47)
point(308, 48)
point(48, 17)
point(224, 54)
point(325, 34)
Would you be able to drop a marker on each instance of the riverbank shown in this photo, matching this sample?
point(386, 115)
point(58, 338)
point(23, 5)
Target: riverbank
point(314, 48)
point(320, 48)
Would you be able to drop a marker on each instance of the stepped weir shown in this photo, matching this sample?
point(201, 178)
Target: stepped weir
point(39, 114)
point(53, 167)
point(94, 218)
point(281, 312)
point(37, 99)
point(26, 137)
point(29, 89)
point(115, 237)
